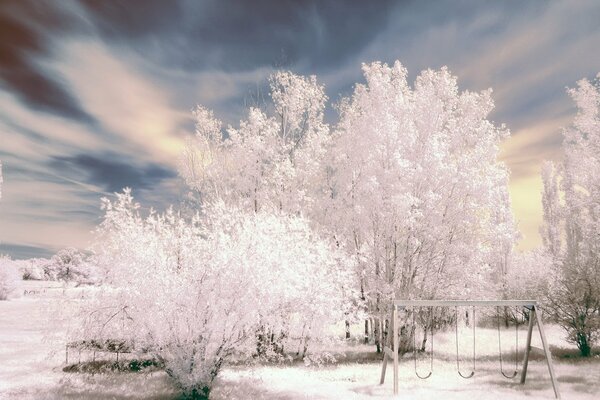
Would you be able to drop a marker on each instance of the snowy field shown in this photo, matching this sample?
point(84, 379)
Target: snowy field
point(31, 368)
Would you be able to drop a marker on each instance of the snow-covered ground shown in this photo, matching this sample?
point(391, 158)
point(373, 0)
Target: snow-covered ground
point(31, 368)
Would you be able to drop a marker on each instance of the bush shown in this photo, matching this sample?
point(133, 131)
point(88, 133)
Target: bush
point(68, 265)
point(574, 303)
point(194, 292)
point(33, 269)
point(10, 279)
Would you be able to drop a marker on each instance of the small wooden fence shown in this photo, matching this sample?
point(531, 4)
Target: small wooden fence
point(96, 346)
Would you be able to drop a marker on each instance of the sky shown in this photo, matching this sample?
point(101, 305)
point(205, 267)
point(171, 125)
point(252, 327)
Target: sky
point(97, 95)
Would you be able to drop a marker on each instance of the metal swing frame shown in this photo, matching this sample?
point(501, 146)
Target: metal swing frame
point(390, 348)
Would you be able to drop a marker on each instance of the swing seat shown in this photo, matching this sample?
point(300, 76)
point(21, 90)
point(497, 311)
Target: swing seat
point(467, 376)
point(510, 376)
point(515, 371)
point(415, 347)
point(423, 377)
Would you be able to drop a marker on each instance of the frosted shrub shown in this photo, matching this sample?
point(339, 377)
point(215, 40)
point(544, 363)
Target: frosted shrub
point(33, 269)
point(10, 279)
point(194, 292)
point(69, 265)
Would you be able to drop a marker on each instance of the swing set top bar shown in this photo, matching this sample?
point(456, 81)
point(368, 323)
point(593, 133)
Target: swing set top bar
point(451, 303)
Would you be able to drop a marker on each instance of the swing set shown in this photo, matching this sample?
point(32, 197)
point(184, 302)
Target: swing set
point(390, 349)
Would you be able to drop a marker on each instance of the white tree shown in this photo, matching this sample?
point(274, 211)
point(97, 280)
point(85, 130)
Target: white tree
point(527, 276)
point(69, 265)
point(273, 161)
point(10, 279)
point(417, 191)
point(269, 162)
point(193, 292)
point(571, 230)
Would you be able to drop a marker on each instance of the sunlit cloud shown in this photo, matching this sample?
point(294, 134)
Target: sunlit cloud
point(126, 104)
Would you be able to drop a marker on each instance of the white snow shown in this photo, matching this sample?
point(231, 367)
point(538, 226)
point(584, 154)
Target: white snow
point(31, 368)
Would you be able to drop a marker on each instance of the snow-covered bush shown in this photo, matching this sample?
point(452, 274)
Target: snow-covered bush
point(195, 291)
point(33, 269)
point(69, 265)
point(10, 279)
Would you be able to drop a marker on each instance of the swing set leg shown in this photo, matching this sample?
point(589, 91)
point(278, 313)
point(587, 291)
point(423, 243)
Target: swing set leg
point(528, 345)
point(383, 367)
point(385, 352)
point(533, 318)
point(548, 355)
point(391, 352)
point(395, 341)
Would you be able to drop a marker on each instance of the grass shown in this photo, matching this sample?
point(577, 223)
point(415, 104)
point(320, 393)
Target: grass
point(571, 354)
point(104, 366)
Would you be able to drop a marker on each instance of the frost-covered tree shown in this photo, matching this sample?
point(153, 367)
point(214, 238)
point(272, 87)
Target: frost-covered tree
point(192, 292)
point(409, 183)
point(571, 230)
point(527, 276)
point(34, 269)
point(1, 179)
point(271, 161)
point(417, 190)
point(69, 265)
point(10, 279)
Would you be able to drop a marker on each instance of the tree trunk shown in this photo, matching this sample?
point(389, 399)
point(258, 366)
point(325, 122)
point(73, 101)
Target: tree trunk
point(377, 331)
point(305, 349)
point(366, 331)
point(424, 341)
point(583, 345)
point(405, 344)
point(347, 329)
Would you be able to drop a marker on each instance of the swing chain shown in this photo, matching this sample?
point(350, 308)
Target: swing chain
point(415, 343)
point(515, 372)
point(457, 352)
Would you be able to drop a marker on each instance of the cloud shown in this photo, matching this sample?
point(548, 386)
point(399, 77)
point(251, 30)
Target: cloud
point(26, 26)
point(113, 175)
point(528, 147)
point(133, 111)
point(69, 163)
point(241, 35)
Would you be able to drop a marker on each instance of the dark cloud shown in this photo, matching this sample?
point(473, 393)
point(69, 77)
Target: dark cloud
point(24, 31)
point(194, 36)
point(238, 35)
point(111, 174)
